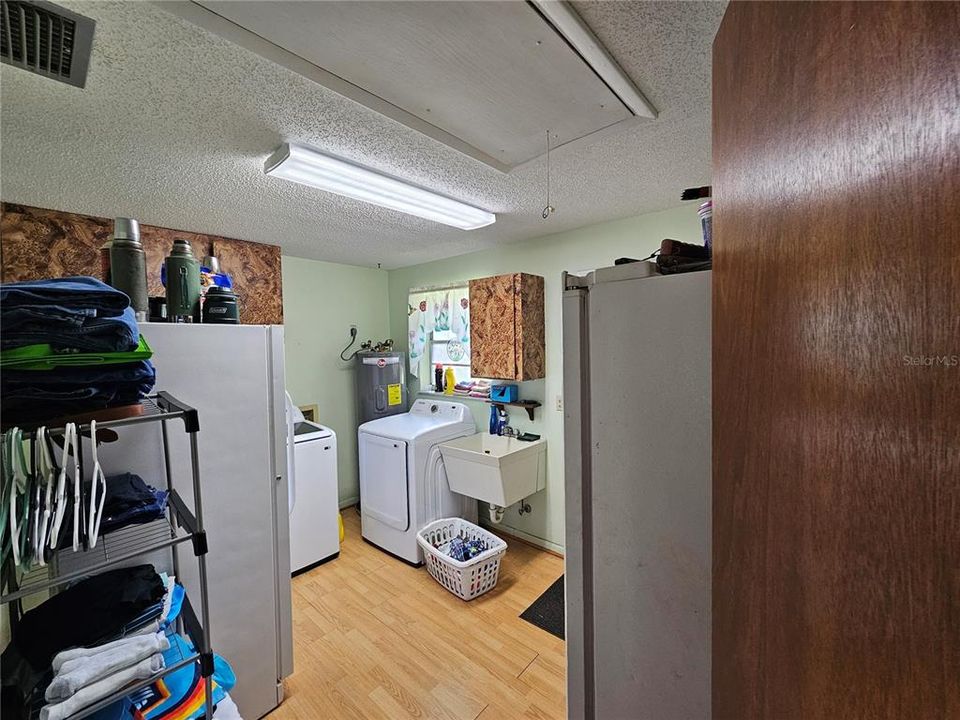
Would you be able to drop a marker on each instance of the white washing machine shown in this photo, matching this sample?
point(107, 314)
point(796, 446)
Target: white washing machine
point(403, 485)
point(314, 504)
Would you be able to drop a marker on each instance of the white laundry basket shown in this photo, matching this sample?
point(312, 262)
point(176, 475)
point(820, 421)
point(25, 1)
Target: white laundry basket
point(467, 579)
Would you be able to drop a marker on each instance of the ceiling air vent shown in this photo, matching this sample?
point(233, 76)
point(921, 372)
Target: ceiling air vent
point(46, 39)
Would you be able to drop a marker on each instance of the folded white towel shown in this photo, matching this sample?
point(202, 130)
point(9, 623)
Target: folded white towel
point(80, 670)
point(64, 655)
point(102, 688)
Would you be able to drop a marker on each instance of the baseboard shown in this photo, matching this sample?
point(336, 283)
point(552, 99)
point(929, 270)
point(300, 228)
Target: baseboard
point(506, 531)
point(520, 536)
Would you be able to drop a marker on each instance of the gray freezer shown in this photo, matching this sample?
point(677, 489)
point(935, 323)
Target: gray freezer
point(637, 432)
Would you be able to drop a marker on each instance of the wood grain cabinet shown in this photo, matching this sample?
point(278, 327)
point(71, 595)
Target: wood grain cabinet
point(506, 327)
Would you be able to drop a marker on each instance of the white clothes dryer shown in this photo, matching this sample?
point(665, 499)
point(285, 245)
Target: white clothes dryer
point(403, 484)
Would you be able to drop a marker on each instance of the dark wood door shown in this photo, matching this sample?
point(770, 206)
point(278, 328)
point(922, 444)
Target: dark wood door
point(836, 463)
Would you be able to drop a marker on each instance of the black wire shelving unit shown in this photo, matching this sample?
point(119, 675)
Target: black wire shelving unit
point(180, 526)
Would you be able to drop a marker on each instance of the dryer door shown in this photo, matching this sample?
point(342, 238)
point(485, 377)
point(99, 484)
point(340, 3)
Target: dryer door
point(384, 482)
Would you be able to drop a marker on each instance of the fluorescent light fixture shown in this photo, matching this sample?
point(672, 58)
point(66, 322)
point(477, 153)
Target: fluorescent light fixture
point(581, 38)
point(306, 166)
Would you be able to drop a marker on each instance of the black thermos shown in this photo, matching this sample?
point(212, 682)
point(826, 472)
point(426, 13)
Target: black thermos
point(220, 307)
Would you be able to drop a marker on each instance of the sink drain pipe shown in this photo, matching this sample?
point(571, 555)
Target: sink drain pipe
point(496, 513)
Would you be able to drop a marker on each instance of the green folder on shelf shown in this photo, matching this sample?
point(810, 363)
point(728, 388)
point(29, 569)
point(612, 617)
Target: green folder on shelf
point(44, 357)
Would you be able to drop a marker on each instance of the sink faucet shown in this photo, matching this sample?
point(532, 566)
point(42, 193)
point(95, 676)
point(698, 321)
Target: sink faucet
point(509, 431)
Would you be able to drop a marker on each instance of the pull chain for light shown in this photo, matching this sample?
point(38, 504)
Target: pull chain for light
point(548, 208)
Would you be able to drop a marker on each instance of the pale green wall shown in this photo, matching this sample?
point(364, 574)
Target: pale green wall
point(586, 248)
point(320, 302)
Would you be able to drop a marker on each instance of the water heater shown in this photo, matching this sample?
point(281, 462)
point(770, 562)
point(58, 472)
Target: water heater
point(381, 384)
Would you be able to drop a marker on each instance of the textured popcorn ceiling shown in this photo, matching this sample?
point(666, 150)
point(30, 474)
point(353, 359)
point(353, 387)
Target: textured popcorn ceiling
point(174, 124)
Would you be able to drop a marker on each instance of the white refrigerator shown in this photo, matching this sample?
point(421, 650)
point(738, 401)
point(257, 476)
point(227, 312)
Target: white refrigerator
point(637, 431)
point(234, 376)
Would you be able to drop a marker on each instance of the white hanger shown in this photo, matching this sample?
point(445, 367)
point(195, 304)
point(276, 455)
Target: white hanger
point(96, 509)
point(59, 499)
point(36, 552)
point(46, 471)
point(19, 487)
point(69, 450)
point(74, 444)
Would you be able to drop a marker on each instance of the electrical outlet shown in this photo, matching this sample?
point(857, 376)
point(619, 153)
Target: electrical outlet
point(559, 403)
point(353, 331)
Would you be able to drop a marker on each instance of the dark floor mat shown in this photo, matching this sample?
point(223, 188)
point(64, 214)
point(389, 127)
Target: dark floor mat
point(546, 612)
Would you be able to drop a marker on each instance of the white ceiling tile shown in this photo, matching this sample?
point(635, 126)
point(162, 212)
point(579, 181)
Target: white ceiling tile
point(175, 123)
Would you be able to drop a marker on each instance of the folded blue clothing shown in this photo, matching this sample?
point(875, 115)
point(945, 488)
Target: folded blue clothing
point(81, 292)
point(141, 371)
point(67, 329)
point(126, 491)
point(74, 400)
point(154, 612)
point(45, 408)
point(137, 514)
point(68, 313)
point(68, 390)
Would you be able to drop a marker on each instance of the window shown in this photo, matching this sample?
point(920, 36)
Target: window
point(447, 350)
point(439, 332)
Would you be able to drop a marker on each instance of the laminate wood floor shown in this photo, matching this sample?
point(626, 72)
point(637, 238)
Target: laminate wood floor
point(377, 639)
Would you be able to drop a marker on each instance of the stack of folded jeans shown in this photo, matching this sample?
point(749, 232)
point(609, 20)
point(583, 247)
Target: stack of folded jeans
point(130, 501)
point(69, 345)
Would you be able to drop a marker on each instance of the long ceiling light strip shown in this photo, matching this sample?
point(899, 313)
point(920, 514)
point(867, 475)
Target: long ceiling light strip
point(306, 166)
point(360, 188)
point(581, 38)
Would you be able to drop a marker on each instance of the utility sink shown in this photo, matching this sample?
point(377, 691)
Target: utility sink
point(498, 470)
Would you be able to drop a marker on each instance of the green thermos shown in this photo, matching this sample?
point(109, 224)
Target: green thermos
point(183, 282)
point(128, 264)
